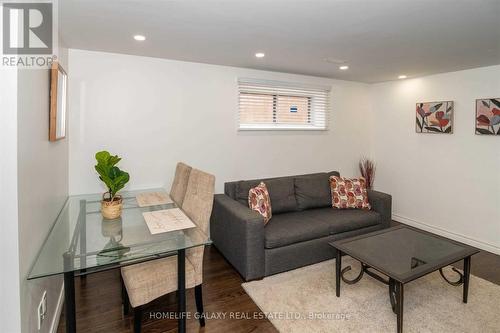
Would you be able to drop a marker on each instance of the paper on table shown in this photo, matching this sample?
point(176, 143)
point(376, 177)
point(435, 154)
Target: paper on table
point(166, 220)
point(153, 198)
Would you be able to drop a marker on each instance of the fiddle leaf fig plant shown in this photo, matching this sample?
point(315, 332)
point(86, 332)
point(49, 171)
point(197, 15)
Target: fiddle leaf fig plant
point(114, 178)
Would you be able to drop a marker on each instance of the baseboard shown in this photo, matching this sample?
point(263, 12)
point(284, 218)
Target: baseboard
point(58, 311)
point(446, 233)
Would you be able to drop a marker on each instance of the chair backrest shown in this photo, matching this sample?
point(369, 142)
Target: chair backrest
point(199, 198)
point(197, 205)
point(180, 183)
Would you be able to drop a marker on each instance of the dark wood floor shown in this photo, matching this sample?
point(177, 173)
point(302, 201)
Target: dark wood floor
point(98, 300)
point(99, 309)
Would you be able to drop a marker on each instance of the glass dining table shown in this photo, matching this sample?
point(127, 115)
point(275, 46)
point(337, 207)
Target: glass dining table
point(81, 242)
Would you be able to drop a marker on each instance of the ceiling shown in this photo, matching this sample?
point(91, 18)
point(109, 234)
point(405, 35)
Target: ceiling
point(378, 39)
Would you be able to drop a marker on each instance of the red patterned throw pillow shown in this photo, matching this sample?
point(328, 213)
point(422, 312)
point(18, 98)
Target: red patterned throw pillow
point(349, 193)
point(259, 200)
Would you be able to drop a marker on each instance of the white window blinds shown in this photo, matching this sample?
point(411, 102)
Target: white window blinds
point(271, 105)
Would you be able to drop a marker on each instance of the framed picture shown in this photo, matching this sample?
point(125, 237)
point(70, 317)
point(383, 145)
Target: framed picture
point(434, 117)
point(488, 116)
point(58, 100)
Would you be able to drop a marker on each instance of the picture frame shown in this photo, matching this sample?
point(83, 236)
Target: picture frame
point(487, 117)
point(434, 117)
point(58, 102)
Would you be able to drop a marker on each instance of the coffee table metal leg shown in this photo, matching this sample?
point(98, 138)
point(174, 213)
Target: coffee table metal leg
point(392, 294)
point(466, 278)
point(399, 305)
point(338, 268)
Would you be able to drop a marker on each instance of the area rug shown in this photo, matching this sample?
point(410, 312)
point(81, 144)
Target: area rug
point(303, 300)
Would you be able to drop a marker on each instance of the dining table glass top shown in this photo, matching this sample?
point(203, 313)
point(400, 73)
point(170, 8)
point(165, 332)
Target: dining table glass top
point(81, 240)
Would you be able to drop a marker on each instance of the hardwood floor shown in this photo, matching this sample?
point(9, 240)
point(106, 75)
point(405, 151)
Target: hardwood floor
point(485, 265)
point(98, 300)
point(99, 309)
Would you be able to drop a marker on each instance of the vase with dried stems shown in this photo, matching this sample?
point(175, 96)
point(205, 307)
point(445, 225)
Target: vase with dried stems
point(367, 169)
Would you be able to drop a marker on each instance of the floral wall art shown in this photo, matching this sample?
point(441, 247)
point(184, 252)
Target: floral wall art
point(488, 116)
point(434, 117)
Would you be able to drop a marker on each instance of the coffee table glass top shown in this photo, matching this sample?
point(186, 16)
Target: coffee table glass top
point(404, 253)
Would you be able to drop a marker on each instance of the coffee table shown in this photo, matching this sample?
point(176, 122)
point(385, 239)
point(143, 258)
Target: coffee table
point(402, 254)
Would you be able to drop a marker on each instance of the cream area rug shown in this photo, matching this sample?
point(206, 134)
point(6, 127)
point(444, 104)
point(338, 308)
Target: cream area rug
point(303, 300)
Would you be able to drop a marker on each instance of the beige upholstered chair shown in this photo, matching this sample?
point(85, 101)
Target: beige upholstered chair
point(147, 281)
point(179, 185)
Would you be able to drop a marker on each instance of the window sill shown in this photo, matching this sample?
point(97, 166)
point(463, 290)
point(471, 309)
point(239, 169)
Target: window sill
point(281, 128)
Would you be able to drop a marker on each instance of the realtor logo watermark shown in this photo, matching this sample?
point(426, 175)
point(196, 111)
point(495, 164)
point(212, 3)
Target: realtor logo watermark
point(27, 34)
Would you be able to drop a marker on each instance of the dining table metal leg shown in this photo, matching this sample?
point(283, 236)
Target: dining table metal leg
point(181, 280)
point(82, 221)
point(69, 302)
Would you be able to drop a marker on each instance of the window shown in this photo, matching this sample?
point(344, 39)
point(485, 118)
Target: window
point(273, 105)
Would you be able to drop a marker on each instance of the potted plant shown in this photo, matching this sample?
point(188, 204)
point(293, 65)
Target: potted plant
point(114, 179)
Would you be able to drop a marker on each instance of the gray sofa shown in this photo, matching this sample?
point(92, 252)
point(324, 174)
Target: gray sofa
point(302, 225)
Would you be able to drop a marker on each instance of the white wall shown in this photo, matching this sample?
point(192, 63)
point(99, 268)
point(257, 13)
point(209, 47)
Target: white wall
point(448, 184)
point(155, 112)
point(42, 191)
point(10, 315)
point(33, 187)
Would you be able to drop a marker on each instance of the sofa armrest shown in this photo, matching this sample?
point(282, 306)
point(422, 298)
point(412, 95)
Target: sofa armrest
point(238, 232)
point(382, 204)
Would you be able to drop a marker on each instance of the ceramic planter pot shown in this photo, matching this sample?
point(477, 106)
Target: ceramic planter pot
point(111, 209)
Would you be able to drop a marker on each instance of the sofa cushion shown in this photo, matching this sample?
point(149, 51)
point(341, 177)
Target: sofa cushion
point(231, 189)
point(281, 191)
point(290, 228)
point(242, 188)
point(313, 191)
point(343, 220)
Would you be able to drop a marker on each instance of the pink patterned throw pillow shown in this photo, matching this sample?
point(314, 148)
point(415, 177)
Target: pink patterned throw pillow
point(349, 193)
point(258, 200)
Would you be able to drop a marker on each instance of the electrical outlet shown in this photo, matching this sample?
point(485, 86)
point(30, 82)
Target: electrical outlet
point(42, 309)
